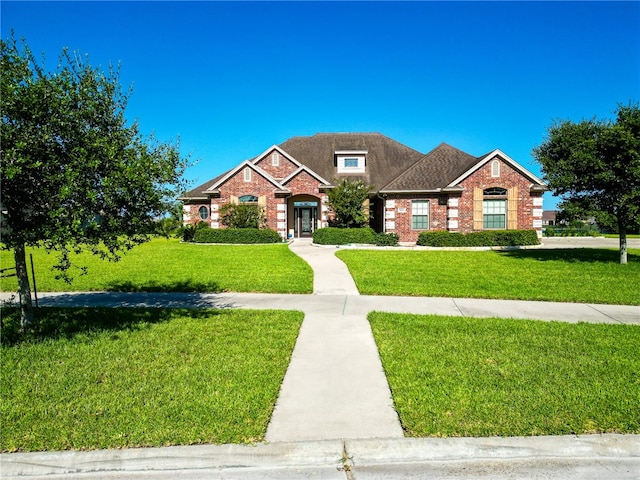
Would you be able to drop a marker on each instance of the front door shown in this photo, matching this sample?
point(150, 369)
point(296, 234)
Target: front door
point(305, 219)
point(306, 222)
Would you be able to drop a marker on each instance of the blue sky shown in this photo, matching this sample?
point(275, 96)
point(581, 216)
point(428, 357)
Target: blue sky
point(233, 78)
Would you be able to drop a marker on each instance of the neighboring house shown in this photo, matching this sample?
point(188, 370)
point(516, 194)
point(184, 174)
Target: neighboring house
point(549, 218)
point(446, 189)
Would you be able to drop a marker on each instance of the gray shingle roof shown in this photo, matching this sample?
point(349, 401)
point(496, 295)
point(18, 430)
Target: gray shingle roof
point(434, 170)
point(386, 158)
point(391, 166)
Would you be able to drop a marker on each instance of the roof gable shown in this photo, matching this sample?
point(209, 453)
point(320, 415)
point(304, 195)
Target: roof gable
point(304, 168)
point(504, 157)
point(276, 148)
point(433, 172)
point(246, 164)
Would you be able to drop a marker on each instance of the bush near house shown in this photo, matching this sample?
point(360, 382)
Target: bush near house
point(492, 238)
point(344, 236)
point(383, 239)
point(236, 235)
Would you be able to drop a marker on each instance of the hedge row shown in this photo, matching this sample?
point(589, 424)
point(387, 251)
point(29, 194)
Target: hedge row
point(570, 232)
point(236, 235)
point(490, 238)
point(343, 236)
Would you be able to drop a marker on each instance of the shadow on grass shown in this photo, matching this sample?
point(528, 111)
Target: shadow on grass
point(57, 323)
point(151, 286)
point(571, 255)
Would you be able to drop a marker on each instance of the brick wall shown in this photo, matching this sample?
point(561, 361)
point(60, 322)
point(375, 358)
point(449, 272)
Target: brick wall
point(509, 177)
point(284, 168)
point(398, 215)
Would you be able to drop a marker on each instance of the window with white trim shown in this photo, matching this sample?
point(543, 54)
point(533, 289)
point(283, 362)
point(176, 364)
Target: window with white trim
point(351, 163)
point(494, 208)
point(420, 215)
point(203, 212)
point(247, 174)
point(248, 199)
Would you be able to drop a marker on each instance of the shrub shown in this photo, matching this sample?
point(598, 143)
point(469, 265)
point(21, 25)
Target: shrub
point(488, 238)
point(243, 215)
point(343, 236)
point(383, 239)
point(189, 231)
point(569, 232)
point(236, 235)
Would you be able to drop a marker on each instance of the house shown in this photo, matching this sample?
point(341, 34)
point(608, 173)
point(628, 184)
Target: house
point(549, 218)
point(445, 189)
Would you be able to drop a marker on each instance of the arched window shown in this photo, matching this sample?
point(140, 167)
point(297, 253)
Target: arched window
point(495, 168)
point(495, 192)
point(203, 212)
point(248, 199)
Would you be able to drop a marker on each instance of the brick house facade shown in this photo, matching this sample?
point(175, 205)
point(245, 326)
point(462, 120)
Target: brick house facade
point(445, 189)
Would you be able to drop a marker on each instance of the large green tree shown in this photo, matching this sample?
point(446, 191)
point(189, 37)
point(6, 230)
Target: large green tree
point(594, 167)
point(75, 173)
point(348, 202)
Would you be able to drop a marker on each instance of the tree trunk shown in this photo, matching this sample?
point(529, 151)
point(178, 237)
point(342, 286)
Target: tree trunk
point(623, 243)
point(26, 308)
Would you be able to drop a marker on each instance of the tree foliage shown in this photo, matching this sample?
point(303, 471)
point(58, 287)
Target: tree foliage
point(243, 215)
point(348, 202)
point(75, 174)
point(594, 166)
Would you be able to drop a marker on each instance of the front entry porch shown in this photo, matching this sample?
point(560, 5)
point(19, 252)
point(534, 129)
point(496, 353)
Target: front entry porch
point(304, 216)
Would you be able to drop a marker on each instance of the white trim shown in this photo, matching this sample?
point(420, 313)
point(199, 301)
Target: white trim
point(250, 165)
point(358, 157)
point(351, 152)
point(506, 159)
point(280, 151)
point(304, 168)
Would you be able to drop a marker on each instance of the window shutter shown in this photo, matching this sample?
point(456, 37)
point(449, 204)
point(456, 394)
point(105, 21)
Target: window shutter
point(233, 200)
point(477, 208)
point(262, 201)
point(512, 208)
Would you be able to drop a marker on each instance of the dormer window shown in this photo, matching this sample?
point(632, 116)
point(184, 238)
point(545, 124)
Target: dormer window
point(351, 161)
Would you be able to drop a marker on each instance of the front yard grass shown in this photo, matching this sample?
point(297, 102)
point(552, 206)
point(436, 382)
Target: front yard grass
point(115, 378)
point(167, 265)
point(453, 376)
point(564, 275)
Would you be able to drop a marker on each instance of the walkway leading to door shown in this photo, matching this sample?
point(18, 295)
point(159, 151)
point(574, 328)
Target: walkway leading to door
point(335, 386)
point(330, 275)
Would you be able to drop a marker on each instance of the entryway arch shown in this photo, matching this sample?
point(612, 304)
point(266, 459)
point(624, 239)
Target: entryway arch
point(304, 215)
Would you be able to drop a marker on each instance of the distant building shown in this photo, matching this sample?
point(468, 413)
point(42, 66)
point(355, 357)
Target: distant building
point(549, 218)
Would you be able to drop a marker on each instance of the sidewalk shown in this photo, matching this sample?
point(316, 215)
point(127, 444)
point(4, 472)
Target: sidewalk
point(334, 417)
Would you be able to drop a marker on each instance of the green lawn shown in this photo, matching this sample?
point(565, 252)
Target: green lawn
point(112, 378)
point(453, 376)
point(169, 265)
point(567, 275)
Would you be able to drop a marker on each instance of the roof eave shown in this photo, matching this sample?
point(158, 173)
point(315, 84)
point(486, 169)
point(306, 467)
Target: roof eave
point(436, 190)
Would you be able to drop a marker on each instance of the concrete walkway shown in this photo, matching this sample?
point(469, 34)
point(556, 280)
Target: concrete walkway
point(334, 417)
point(335, 387)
